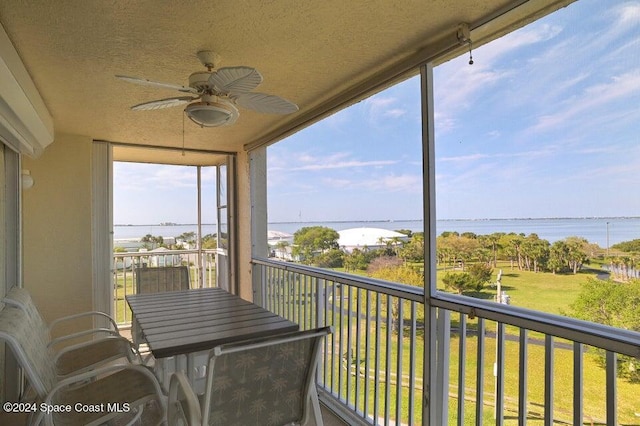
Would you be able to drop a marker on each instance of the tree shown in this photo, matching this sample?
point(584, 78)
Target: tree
point(356, 260)
point(313, 240)
point(511, 244)
point(613, 304)
point(210, 241)
point(632, 246)
point(535, 252)
point(474, 279)
point(189, 237)
point(558, 255)
point(413, 250)
point(457, 247)
point(578, 252)
point(458, 281)
point(393, 272)
point(281, 246)
point(479, 275)
point(492, 242)
point(151, 241)
point(332, 258)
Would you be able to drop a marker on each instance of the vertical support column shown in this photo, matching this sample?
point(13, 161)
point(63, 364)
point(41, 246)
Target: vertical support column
point(102, 227)
point(200, 283)
point(431, 390)
point(258, 193)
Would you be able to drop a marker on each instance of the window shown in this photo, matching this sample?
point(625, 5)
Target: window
point(358, 173)
point(536, 150)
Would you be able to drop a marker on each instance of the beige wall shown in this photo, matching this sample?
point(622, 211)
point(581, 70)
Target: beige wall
point(57, 228)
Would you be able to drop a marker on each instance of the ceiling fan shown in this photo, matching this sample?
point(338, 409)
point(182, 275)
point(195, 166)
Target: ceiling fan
point(215, 94)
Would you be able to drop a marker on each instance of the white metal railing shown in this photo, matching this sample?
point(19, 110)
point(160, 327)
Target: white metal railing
point(492, 363)
point(372, 363)
point(202, 273)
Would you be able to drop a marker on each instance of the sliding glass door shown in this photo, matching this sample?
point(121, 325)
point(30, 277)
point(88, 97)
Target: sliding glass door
point(10, 269)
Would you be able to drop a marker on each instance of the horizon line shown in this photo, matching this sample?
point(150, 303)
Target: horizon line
point(167, 224)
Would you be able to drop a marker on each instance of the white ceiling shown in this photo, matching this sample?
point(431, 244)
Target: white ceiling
point(314, 53)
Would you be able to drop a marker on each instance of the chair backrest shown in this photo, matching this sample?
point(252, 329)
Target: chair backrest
point(29, 348)
point(265, 381)
point(20, 298)
point(163, 278)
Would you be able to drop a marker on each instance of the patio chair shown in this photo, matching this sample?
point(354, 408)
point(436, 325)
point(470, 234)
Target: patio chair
point(119, 393)
point(77, 358)
point(21, 298)
point(256, 382)
point(162, 278)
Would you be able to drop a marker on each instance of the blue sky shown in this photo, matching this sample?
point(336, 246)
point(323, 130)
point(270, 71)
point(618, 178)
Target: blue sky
point(543, 124)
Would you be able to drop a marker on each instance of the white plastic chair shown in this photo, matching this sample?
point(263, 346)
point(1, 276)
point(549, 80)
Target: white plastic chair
point(256, 382)
point(124, 392)
point(21, 298)
point(76, 358)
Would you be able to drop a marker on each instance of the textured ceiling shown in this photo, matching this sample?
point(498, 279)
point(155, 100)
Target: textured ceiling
point(308, 52)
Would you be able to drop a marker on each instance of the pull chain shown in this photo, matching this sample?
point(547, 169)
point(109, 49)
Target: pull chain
point(183, 135)
point(470, 55)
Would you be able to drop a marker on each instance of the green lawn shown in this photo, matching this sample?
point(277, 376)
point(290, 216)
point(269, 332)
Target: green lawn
point(540, 291)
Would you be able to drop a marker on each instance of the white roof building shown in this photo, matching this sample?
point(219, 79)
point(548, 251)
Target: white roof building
point(367, 238)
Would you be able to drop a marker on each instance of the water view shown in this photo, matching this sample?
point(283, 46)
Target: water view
point(602, 231)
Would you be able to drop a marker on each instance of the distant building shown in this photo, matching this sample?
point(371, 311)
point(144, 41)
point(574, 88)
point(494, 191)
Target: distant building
point(280, 245)
point(368, 238)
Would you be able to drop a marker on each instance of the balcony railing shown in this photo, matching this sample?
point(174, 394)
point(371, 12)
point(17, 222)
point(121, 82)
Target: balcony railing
point(202, 273)
point(489, 363)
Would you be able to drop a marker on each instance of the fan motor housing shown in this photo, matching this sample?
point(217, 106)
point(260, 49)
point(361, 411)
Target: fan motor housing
point(200, 80)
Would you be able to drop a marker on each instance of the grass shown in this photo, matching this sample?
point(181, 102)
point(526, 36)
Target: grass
point(125, 285)
point(540, 291)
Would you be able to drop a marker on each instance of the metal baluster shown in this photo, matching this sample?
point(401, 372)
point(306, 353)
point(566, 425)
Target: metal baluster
point(358, 348)
point(612, 394)
point(480, 374)
point(578, 379)
point(412, 367)
point(523, 378)
point(399, 359)
point(376, 373)
point(500, 355)
point(548, 380)
point(387, 362)
point(462, 358)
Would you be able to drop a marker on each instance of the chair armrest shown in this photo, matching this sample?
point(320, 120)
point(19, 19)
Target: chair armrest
point(97, 373)
point(99, 314)
point(183, 403)
point(132, 354)
point(83, 333)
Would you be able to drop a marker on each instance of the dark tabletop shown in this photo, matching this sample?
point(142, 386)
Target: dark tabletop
point(182, 322)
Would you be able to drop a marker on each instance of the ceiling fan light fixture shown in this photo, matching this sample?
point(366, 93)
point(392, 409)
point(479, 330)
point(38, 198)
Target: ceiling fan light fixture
point(212, 113)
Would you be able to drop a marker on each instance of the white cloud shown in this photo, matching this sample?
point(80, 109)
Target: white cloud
point(628, 15)
point(411, 183)
point(343, 165)
point(592, 98)
point(460, 85)
point(380, 107)
point(142, 177)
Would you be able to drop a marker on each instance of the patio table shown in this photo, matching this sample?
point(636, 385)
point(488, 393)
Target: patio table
point(181, 326)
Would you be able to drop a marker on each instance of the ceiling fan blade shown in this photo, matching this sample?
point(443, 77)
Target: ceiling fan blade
point(235, 80)
point(164, 103)
point(262, 102)
point(145, 82)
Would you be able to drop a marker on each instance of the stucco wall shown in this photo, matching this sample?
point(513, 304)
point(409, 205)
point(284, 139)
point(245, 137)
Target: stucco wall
point(57, 228)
